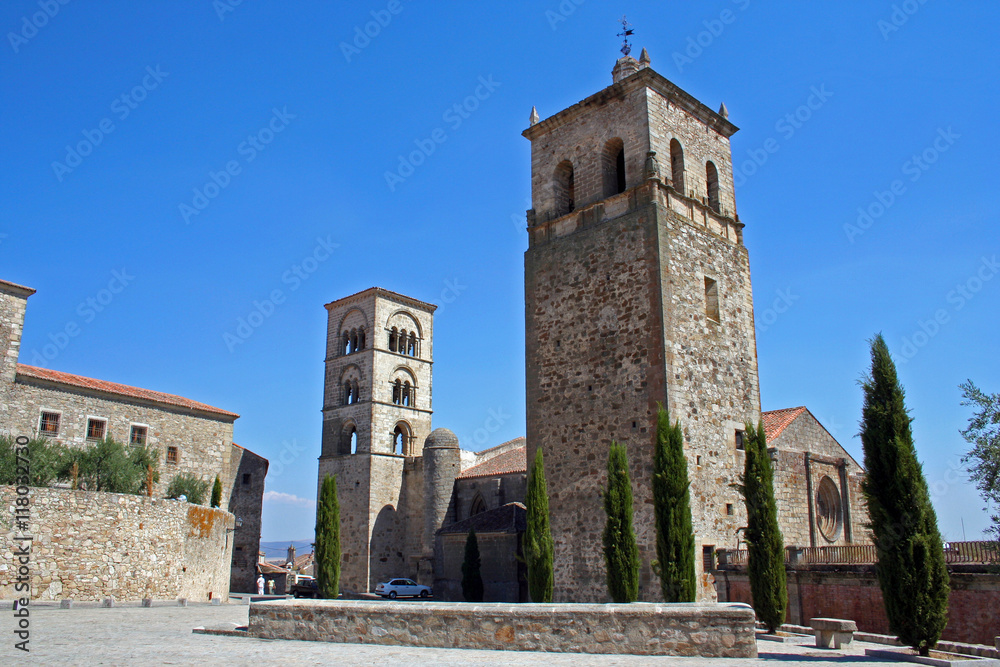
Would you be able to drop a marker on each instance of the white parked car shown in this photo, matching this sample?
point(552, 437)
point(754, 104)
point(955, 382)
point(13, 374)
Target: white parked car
point(402, 588)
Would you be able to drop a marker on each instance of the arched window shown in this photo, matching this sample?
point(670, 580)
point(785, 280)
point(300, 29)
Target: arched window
point(401, 439)
point(712, 179)
point(564, 189)
point(613, 167)
point(411, 348)
point(478, 505)
point(349, 440)
point(397, 392)
point(393, 337)
point(361, 339)
point(677, 166)
point(345, 343)
point(355, 393)
point(354, 340)
point(348, 393)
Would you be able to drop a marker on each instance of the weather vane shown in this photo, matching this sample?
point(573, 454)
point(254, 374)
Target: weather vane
point(626, 33)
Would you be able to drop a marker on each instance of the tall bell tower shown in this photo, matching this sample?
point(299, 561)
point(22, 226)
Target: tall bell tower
point(637, 292)
point(376, 417)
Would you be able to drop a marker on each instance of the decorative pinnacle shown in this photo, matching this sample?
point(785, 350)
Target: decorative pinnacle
point(625, 34)
point(533, 119)
point(723, 111)
point(644, 57)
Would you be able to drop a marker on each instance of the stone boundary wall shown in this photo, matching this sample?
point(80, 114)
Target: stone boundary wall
point(852, 591)
point(710, 630)
point(89, 546)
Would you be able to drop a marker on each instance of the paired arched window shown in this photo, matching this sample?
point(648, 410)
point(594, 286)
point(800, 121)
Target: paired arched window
point(677, 166)
point(613, 167)
point(402, 341)
point(401, 439)
point(712, 181)
point(564, 190)
point(352, 341)
point(403, 393)
point(352, 393)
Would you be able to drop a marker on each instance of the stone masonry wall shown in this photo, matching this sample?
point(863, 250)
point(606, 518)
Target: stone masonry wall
point(496, 491)
point(13, 304)
point(498, 552)
point(245, 502)
point(204, 443)
point(641, 629)
point(88, 546)
point(853, 592)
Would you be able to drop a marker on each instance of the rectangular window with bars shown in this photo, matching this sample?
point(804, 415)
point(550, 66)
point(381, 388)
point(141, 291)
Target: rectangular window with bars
point(739, 440)
point(708, 557)
point(137, 436)
point(96, 428)
point(49, 424)
point(172, 455)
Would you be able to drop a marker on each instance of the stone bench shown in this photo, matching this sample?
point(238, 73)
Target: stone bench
point(833, 632)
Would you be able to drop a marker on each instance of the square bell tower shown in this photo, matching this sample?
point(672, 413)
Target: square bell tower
point(637, 292)
point(376, 416)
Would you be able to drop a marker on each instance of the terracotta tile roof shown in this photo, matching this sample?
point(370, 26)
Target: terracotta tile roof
point(509, 518)
point(777, 421)
point(118, 389)
point(303, 561)
point(268, 568)
point(507, 463)
point(14, 287)
point(515, 442)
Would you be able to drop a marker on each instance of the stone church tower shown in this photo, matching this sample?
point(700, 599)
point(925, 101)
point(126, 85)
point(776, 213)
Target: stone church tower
point(637, 292)
point(376, 414)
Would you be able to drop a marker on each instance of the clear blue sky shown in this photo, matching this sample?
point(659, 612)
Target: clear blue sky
point(451, 231)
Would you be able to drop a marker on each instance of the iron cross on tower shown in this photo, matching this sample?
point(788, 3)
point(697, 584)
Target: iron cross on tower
point(625, 34)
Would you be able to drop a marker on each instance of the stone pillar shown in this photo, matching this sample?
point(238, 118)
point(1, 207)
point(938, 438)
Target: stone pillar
point(442, 463)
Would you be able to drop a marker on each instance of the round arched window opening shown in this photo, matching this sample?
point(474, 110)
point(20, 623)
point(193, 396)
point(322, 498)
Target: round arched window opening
point(828, 511)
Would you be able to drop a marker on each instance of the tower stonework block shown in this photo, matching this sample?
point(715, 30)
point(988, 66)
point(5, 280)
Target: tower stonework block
point(637, 292)
point(376, 415)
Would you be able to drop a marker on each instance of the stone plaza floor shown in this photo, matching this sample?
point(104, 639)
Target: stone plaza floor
point(161, 635)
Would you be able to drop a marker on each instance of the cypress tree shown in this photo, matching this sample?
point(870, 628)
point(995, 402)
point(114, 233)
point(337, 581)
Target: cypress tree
point(327, 547)
point(672, 510)
point(621, 554)
point(538, 536)
point(911, 568)
point(766, 557)
point(216, 492)
point(472, 575)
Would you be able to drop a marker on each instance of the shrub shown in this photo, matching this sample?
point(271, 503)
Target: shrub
point(327, 546)
point(472, 575)
point(189, 486)
point(538, 536)
point(217, 492)
point(672, 510)
point(621, 554)
point(45, 459)
point(911, 568)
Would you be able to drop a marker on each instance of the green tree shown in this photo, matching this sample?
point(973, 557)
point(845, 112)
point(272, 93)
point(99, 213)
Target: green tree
point(983, 433)
point(538, 550)
point(327, 547)
point(187, 485)
point(109, 467)
point(45, 459)
point(672, 510)
point(472, 570)
point(216, 492)
point(621, 554)
point(911, 569)
point(766, 557)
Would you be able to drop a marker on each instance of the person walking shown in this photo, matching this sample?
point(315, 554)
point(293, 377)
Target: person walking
point(260, 584)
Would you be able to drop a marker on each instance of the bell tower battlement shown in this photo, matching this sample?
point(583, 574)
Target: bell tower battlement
point(637, 293)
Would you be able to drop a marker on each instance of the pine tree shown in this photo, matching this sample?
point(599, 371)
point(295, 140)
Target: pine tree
point(621, 554)
point(672, 510)
point(911, 568)
point(216, 492)
point(538, 536)
point(327, 546)
point(766, 557)
point(472, 575)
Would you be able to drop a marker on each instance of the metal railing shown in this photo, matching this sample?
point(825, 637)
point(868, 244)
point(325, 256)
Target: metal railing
point(982, 552)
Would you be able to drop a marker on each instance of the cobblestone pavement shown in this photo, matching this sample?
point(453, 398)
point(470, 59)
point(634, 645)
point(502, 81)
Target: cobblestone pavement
point(162, 635)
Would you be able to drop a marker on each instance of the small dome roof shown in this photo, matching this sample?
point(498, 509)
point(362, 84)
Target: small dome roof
point(441, 438)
